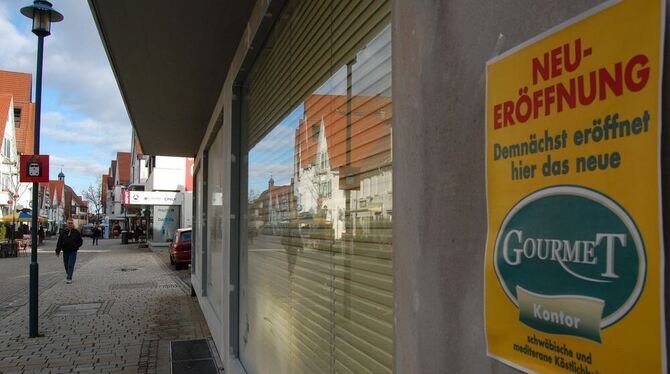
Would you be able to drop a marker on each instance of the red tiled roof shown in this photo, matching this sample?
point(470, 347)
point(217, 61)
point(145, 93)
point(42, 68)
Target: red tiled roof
point(25, 133)
point(138, 146)
point(71, 196)
point(370, 142)
point(18, 84)
point(278, 191)
point(123, 159)
point(105, 184)
point(56, 187)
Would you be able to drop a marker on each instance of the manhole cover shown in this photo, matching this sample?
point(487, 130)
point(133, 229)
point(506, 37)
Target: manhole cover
point(132, 286)
point(76, 309)
point(126, 269)
point(81, 309)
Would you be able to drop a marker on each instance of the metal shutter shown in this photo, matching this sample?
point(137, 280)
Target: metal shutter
point(328, 301)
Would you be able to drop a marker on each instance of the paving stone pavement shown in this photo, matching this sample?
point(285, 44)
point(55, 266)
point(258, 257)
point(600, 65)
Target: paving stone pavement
point(118, 316)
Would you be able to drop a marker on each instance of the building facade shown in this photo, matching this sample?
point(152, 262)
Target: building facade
point(18, 130)
point(163, 174)
point(340, 215)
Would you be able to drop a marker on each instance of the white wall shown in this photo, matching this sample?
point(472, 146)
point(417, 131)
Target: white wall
point(144, 170)
point(117, 200)
point(168, 175)
point(187, 210)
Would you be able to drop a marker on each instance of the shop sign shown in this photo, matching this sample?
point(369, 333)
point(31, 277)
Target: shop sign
point(574, 259)
point(34, 168)
point(154, 198)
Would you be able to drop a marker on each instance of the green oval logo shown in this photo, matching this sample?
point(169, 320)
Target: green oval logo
point(571, 259)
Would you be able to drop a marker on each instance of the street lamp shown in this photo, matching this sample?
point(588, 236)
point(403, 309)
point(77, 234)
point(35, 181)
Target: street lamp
point(42, 15)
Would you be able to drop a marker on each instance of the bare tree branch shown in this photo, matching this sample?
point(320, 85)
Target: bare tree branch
point(93, 194)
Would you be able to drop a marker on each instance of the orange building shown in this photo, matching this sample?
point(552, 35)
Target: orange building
point(368, 142)
point(19, 86)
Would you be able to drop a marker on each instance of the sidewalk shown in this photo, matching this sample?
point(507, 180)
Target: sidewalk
point(119, 316)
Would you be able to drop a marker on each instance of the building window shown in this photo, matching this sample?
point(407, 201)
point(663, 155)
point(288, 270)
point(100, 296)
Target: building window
point(17, 117)
point(315, 132)
point(316, 271)
point(7, 148)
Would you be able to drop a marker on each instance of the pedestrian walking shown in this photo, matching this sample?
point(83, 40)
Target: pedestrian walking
point(96, 234)
point(40, 235)
point(69, 242)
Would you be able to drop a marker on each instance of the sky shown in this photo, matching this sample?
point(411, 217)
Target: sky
point(273, 156)
point(84, 120)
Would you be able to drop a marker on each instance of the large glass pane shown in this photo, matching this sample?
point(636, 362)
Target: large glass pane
point(215, 224)
point(199, 224)
point(317, 287)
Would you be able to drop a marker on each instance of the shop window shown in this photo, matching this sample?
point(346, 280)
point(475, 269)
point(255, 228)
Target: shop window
point(316, 279)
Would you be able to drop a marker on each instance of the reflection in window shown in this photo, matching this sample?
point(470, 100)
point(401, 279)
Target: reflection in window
point(317, 293)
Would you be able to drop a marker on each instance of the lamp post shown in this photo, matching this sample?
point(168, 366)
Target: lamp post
point(42, 15)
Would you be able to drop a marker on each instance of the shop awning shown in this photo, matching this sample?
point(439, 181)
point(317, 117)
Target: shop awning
point(170, 60)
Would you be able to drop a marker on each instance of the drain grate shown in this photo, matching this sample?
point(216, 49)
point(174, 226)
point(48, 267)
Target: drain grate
point(168, 286)
point(132, 286)
point(192, 357)
point(127, 269)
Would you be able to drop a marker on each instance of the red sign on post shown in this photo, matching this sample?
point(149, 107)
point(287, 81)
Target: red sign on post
point(34, 168)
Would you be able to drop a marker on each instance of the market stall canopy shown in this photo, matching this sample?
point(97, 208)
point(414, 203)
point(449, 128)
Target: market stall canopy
point(170, 62)
point(22, 217)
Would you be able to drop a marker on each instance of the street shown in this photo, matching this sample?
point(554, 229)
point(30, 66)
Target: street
point(15, 279)
point(125, 306)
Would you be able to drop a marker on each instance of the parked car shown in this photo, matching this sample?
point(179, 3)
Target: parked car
point(87, 229)
point(180, 249)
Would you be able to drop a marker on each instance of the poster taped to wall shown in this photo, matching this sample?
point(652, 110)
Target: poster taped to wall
point(574, 254)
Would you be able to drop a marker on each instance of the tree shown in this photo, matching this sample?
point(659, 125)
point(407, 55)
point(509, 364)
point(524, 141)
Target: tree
point(93, 194)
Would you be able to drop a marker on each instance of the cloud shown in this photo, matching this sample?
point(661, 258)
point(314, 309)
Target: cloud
point(75, 63)
point(281, 138)
point(79, 165)
point(263, 171)
point(83, 114)
point(85, 131)
point(18, 49)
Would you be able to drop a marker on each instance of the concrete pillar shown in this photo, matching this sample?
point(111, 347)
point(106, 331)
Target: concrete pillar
point(440, 49)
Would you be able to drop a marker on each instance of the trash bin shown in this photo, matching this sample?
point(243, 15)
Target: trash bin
point(124, 237)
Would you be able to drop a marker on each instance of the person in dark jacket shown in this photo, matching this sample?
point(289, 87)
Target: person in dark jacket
point(69, 242)
point(96, 234)
point(40, 235)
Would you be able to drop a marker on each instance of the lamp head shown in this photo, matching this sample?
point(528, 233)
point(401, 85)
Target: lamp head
point(42, 14)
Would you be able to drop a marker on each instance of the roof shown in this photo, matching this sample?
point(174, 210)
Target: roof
point(54, 187)
point(370, 142)
point(25, 134)
point(57, 188)
point(77, 199)
point(18, 84)
point(123, 159)
point(194, 55)
point(138, 146)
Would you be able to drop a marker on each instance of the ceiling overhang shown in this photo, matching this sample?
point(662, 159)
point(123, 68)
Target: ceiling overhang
point(170, 60)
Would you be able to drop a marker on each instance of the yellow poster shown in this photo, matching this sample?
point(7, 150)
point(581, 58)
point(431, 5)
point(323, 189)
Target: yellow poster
point(574, 260)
